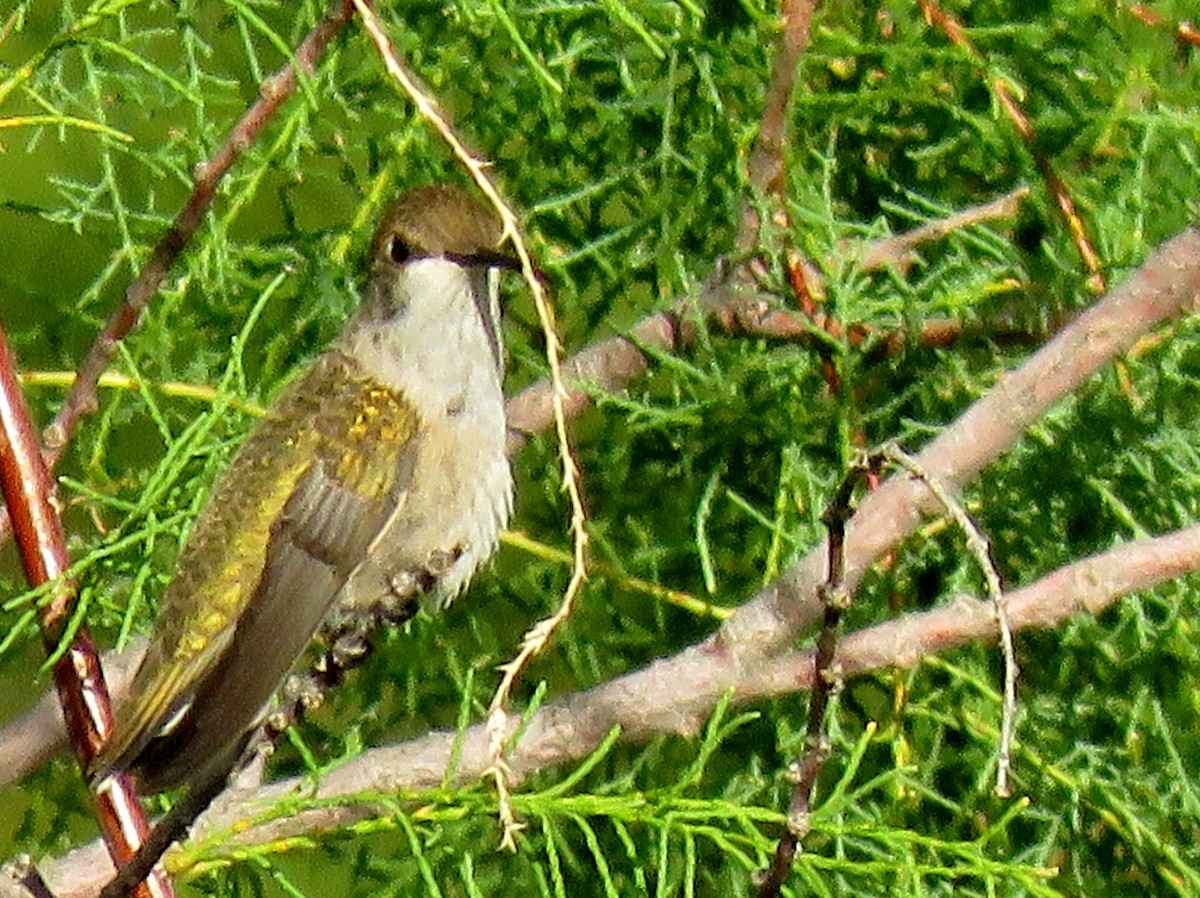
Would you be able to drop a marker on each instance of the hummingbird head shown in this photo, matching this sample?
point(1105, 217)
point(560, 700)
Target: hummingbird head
point(431, 243)
point(436, 221)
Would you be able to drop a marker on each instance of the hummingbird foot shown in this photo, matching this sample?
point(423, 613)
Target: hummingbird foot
point(348, 642)
point(405, 587)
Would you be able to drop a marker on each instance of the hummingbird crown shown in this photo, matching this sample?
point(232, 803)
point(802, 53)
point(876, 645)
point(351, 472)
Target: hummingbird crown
point(436, 221)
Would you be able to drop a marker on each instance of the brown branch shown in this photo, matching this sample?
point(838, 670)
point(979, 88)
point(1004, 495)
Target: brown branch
point(765, 167)
point(675, 695)
point(29, 496)
point(899, 252)
point(607, 365)
point(752, 315)
point(1167, 285)
point(81, 399)
point(1088, 586)
point(1057, 187)
point(611, 364)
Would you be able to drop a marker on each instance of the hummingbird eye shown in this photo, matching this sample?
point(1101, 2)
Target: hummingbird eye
point(399, 249)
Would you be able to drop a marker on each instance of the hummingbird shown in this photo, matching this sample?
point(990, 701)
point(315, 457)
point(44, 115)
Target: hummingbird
point(378, 477)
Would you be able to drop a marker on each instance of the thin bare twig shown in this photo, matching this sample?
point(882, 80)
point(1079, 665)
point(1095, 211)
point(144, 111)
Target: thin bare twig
point(979, 546)
point(29, 496)
point(899, 252)
point(828, 679)
point(539, 636)
point(766, 167)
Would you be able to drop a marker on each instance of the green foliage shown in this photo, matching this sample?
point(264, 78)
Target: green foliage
point(622, 130)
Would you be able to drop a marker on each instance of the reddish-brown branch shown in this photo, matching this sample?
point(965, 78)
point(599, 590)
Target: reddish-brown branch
point(29, 497)
point(24, 746)
point(801, 278)
point(956, 34)
point(949, 26)
point(1056, 186)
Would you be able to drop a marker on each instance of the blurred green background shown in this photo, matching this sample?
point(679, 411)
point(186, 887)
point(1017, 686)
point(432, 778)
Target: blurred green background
point(621, 131)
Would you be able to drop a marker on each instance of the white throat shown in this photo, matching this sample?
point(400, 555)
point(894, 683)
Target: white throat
point(434, 335)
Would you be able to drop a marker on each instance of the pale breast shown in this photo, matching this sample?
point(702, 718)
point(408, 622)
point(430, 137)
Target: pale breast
point(460, 492)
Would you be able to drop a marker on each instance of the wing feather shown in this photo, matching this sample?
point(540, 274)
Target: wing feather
point(287, 524)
